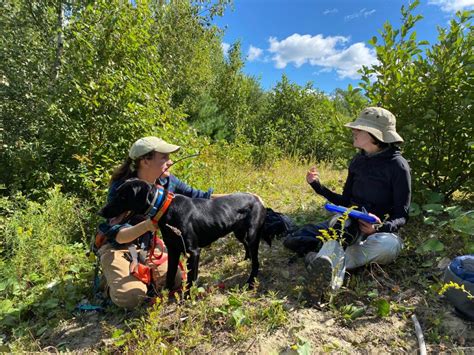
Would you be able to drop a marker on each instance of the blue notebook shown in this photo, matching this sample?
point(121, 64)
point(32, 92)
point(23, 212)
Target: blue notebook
point(355, 214)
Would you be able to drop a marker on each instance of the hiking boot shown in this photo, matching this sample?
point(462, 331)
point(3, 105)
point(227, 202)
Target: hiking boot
point(320, 271)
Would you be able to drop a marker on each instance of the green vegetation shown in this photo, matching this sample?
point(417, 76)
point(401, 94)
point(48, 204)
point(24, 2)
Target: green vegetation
point(430, 90)
point(82, 80)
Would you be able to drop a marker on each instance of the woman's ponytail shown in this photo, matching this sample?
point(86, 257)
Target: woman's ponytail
point(125, 171)
point(129, 168)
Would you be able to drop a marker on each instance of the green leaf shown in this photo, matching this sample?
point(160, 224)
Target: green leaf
point(431, 220)
point(454, 211)
point(382, 307)
point(50, 303)
point(470, 248)
point(117, 333)
point(6, 306)
point(434, 197)
point(430, 246)
point(374, 293)
point(358, 312)
point(304, 348)
point(415, 209)
point(464, 223)
point(234, 301)
point(434, 208)
point(239, 317)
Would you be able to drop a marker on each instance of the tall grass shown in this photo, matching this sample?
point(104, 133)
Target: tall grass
point(44, 266)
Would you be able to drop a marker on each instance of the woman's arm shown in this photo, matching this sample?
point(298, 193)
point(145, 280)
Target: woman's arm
point(312, 177)
point(177, 186)
point(128, 234)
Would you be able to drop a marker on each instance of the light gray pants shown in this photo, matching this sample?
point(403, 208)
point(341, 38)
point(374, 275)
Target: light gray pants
point(380, 248)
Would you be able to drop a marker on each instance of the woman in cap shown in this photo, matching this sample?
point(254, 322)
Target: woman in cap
point(379, 182)
point(149, 160)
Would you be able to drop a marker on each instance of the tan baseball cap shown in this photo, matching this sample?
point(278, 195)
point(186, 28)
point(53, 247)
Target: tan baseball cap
point(378, 121)
point(148, 144)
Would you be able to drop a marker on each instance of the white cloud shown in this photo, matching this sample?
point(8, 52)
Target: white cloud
point(452, 5)
point(324, 52)
point(299, 49)
point(225, 47)
point(330, 11)
point(361, 13)
point(254, 53)
point(348, 61)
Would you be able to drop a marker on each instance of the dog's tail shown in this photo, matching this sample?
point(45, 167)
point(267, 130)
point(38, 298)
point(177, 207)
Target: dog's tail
point(276, 225)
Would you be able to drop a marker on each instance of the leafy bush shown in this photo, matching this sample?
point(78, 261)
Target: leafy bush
point(302, 121)
point(430, 90)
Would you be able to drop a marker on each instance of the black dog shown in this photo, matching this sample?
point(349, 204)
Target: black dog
point(199, 221)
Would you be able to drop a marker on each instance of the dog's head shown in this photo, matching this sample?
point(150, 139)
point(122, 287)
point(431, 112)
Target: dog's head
point(133, 195)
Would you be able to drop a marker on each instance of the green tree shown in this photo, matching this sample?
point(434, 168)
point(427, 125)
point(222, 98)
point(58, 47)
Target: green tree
point(432, 96)
point(69, 115)
point(301, 121)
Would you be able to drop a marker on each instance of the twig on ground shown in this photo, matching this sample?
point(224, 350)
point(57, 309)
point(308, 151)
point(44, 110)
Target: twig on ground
point(251, 344)
point(419, 335)
point(386, 279)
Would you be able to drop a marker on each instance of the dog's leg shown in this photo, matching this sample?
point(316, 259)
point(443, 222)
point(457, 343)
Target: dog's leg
point(253, 249)
point(193, 265)
point(173, 260)
point(247, 251)
point(240, 235)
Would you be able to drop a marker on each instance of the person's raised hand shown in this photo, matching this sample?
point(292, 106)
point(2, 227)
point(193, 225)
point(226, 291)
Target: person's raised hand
point(368, 228)
point(312, 175)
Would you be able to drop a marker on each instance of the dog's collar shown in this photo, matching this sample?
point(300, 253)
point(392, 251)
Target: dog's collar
point(162, 201)
point(156, 203)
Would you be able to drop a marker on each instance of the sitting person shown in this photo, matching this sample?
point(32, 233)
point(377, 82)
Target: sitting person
point(149, 160)
point(378, 181)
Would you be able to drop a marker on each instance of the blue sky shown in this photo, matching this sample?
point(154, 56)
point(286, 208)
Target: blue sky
point(320, 41)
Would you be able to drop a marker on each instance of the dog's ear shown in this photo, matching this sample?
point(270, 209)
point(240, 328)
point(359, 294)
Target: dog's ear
point(130, 196)
point(112, 208)
point(135, 192)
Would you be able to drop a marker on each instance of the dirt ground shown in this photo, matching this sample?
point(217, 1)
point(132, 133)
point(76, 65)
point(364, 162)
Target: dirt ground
point(312, 326)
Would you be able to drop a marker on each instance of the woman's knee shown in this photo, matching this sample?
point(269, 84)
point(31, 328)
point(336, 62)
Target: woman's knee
point(129, 295)
point(386, 246)
point(380, 248)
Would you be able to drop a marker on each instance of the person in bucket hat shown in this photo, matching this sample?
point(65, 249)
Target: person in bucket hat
point(378, 182)
point(148, 159)
point(378, 122)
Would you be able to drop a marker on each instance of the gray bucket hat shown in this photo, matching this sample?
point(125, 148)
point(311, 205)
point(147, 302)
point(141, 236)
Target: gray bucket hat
point(378, 121)
point(148, 144)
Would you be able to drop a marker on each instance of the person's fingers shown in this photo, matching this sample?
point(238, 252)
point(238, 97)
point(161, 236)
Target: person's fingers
point(376, 217)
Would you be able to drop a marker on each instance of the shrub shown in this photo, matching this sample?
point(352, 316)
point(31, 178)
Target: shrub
point(431, 95)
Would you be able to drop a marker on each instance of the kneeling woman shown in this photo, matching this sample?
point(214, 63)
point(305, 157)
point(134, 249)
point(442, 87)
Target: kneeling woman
point(379, 181)
point(149, 160)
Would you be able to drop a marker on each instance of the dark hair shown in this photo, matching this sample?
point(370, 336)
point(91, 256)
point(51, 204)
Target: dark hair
point(128, 168)
point(379, 143)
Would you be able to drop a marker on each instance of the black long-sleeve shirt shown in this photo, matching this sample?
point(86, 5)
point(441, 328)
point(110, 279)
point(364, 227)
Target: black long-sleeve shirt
point(381, 183)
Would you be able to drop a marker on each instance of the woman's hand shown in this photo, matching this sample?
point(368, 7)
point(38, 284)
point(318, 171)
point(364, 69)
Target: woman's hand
point(312, 175)
point(368, 228)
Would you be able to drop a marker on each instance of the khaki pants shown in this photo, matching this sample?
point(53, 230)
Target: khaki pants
point(125, 289)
